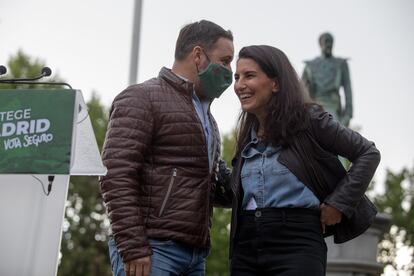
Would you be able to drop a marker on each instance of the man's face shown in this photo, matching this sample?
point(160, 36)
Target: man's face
point(221, 53)
point(326, 45)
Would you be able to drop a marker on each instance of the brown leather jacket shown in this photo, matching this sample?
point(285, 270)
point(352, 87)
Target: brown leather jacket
point(159, 182)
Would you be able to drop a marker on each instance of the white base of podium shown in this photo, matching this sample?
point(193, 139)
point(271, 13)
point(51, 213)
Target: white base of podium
point(30, 224)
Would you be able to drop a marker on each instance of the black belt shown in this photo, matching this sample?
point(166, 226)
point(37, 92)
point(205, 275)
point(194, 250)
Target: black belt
point(280, 212)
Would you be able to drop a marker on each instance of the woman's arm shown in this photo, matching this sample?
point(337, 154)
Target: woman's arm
point(365, 157)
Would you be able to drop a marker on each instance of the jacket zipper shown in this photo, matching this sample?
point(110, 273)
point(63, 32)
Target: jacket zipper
point(174, 174)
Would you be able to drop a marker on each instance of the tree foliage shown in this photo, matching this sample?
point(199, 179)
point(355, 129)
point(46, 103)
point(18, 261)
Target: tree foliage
point(398, 201)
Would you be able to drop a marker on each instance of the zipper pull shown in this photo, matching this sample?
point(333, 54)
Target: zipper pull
point(175, 172)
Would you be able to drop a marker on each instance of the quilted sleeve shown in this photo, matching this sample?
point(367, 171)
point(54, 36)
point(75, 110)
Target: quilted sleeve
point(127, 140)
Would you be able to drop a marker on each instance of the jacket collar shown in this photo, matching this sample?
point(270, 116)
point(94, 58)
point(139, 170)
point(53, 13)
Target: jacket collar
point(175, 81)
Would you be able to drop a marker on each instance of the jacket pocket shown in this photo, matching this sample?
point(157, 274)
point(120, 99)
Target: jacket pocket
point(170, 185)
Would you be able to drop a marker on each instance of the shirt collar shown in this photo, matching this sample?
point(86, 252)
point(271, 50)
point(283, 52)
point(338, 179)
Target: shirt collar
point(253, 141)
point(253, 135)
point(204, 102)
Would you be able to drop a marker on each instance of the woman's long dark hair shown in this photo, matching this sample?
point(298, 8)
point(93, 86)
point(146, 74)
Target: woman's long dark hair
point(286, 111)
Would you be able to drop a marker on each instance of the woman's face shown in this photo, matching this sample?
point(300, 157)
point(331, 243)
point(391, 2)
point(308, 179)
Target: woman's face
point(253, 87)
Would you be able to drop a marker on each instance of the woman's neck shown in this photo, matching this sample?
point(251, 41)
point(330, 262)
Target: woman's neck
point(261, 132)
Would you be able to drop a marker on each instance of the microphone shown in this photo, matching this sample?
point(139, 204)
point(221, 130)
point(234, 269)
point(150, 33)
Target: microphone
point(46, 72)
point(3, 70)
point(50, 179)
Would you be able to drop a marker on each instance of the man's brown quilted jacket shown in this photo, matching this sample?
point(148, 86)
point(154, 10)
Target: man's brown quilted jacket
point(158, 182)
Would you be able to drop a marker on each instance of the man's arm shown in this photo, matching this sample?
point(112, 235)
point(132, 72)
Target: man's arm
point(127, 139)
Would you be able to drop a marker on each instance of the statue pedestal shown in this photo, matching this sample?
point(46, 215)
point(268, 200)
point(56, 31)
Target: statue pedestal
point(358, 257)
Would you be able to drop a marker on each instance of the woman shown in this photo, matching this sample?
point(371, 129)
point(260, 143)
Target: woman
point(289, 188)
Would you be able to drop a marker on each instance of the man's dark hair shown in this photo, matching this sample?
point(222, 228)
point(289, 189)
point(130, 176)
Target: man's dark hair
point(203, 33)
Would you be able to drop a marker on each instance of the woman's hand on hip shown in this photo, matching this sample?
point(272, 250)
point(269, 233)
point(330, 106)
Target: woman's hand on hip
point(329, 215)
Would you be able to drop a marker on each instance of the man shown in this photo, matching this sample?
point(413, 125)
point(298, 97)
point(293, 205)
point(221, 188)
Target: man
point(162, 152)
point(323, 78)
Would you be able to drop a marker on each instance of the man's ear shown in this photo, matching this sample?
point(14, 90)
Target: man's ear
point(197, 53)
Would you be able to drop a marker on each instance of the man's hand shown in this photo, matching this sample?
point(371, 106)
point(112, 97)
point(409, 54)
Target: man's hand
point(138, 267)
point(329, 215)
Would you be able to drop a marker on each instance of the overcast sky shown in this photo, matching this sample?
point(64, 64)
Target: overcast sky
point(88, 44)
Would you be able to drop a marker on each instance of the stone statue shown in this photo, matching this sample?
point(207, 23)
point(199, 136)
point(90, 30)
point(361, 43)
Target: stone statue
point(324, 76)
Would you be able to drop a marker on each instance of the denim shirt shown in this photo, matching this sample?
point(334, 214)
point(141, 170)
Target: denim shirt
point(201, 108)
point(267, 183)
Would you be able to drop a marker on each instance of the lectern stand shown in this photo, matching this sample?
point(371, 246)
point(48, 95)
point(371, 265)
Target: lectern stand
point(31, 217)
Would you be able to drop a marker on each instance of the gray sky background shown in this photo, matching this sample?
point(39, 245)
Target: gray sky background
point(88, 44)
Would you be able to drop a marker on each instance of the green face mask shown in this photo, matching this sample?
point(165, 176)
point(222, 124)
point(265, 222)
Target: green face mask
point(215, 79)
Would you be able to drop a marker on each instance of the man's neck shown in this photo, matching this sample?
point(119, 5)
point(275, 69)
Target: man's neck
point(181, 70)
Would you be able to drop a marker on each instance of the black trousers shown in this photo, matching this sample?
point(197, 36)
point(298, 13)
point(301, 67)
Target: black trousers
point(279, 241)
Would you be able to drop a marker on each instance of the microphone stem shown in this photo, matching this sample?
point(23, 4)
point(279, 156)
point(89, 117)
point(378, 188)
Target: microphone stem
point(36, 82)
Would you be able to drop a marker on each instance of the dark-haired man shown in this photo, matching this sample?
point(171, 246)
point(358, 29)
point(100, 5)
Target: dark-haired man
point(162, 152)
